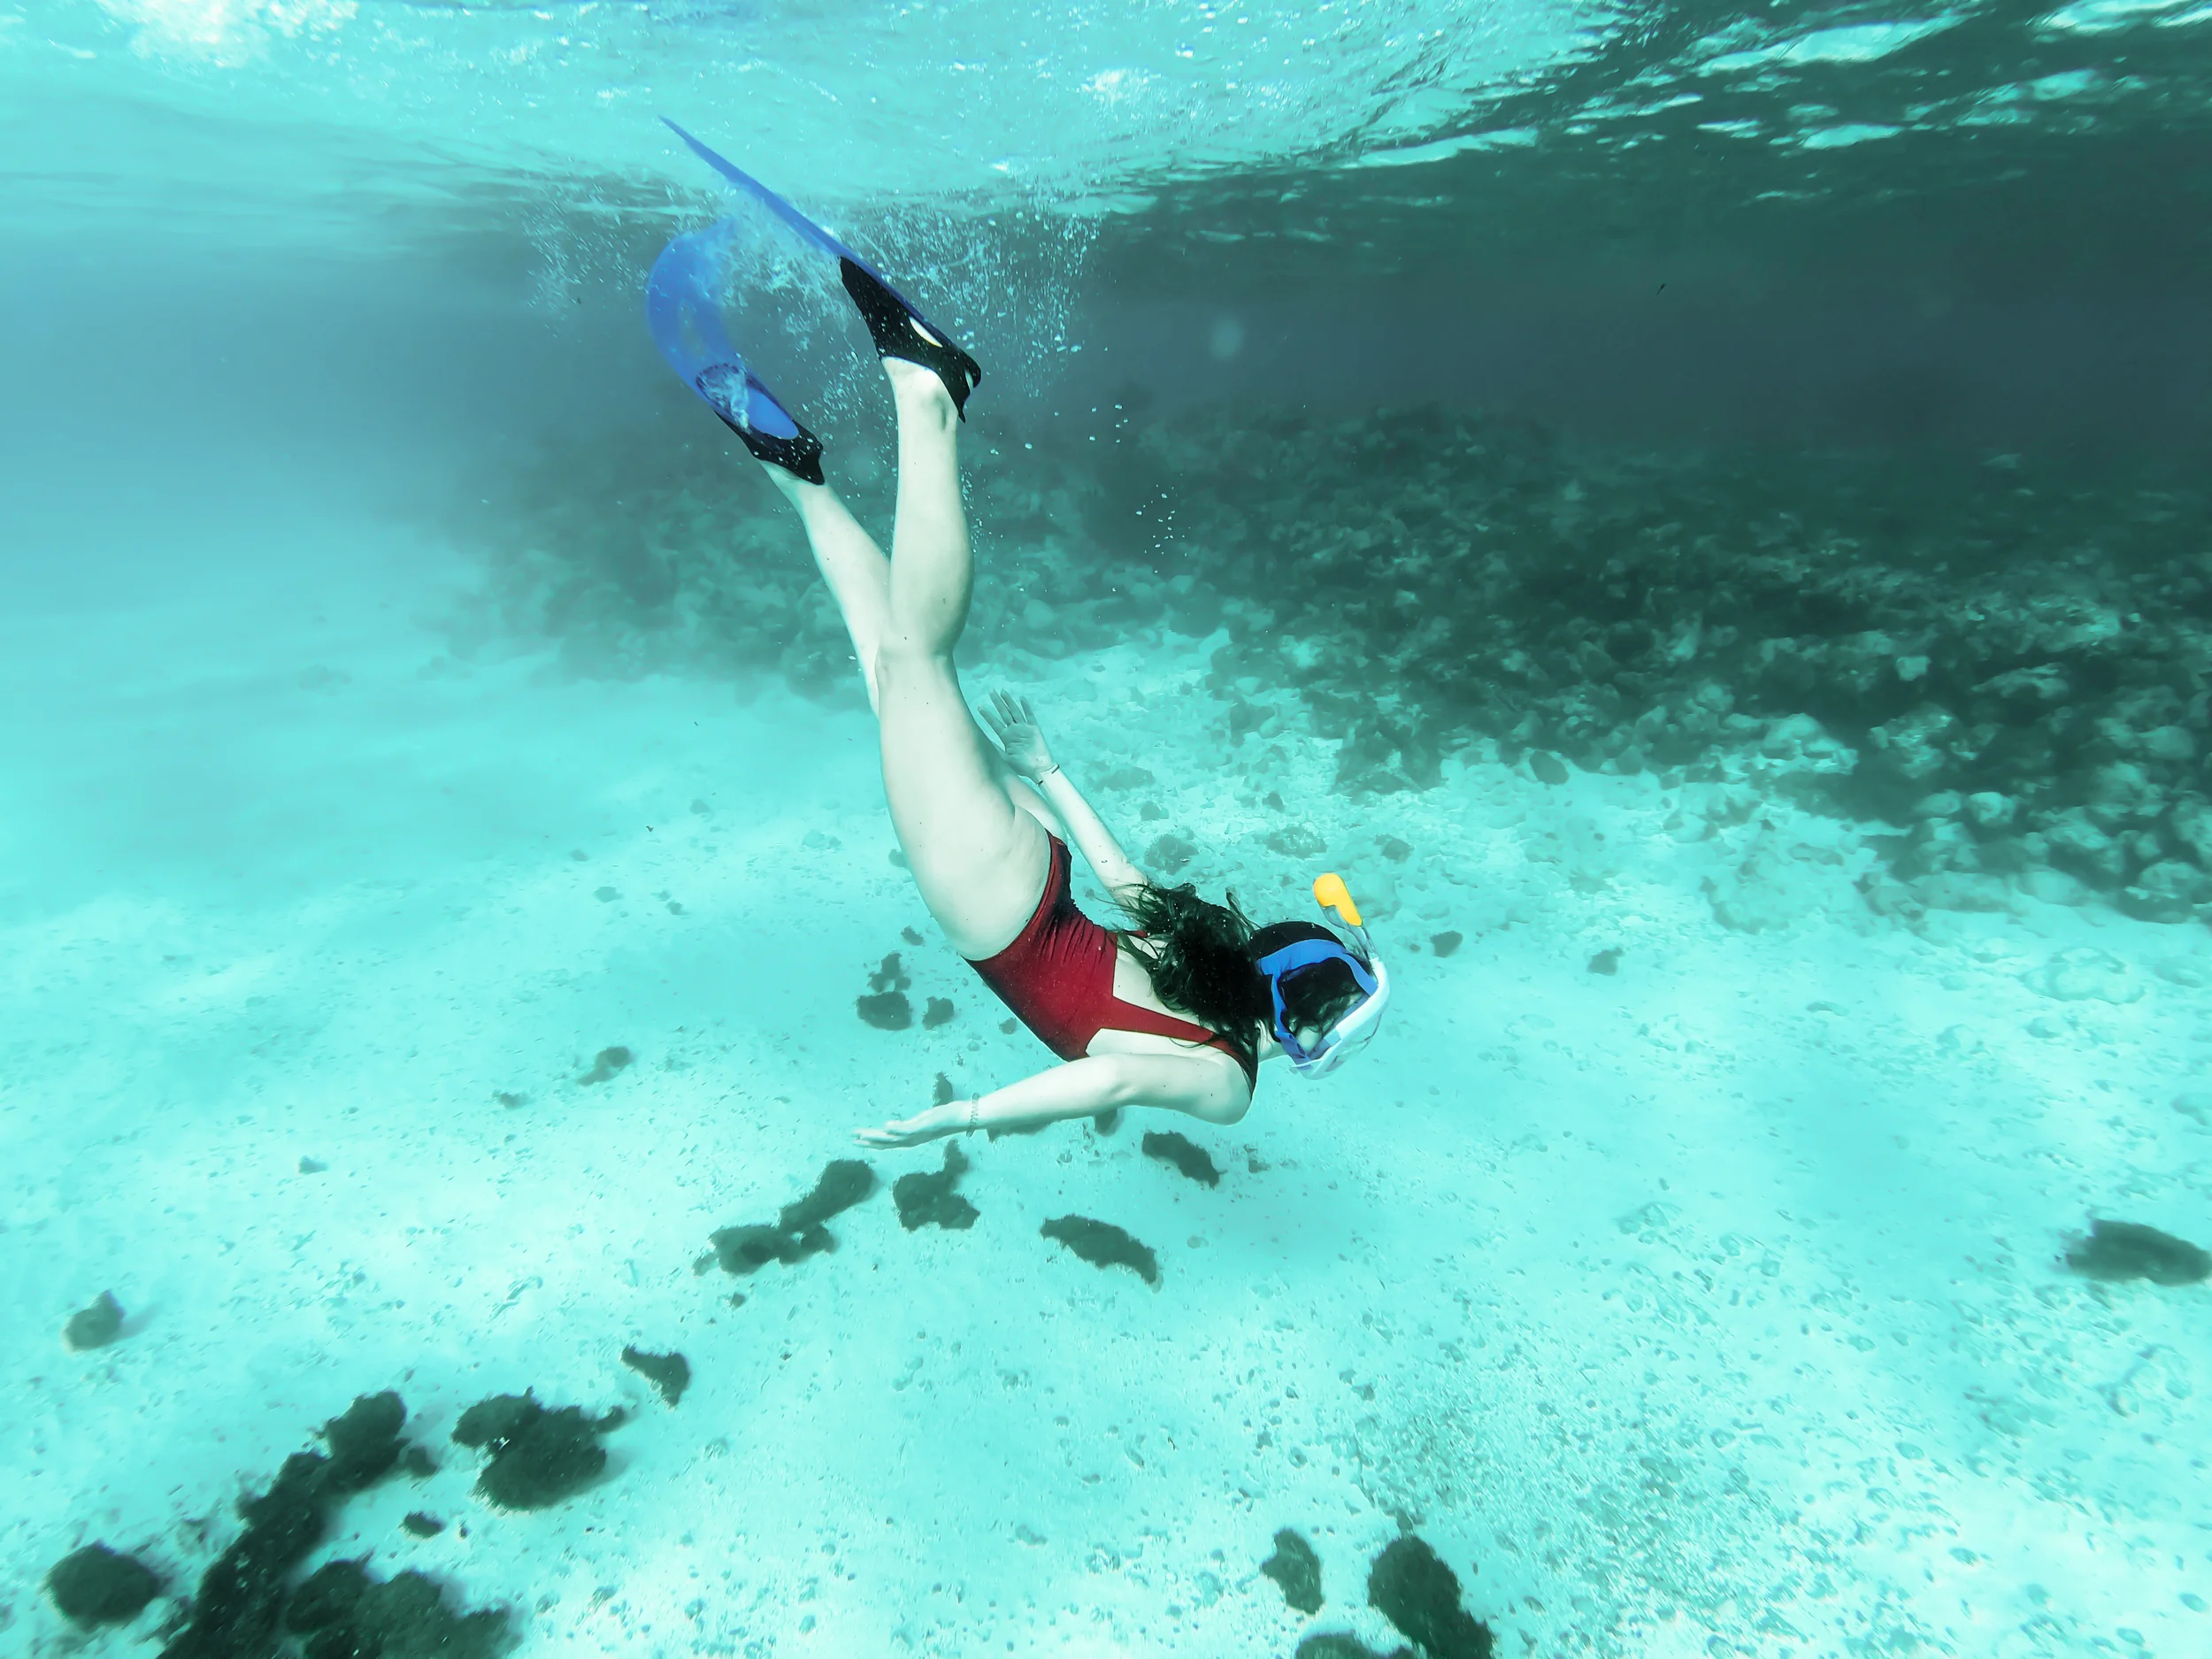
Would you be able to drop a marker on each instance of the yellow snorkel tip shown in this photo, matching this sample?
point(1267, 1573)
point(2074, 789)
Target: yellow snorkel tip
point(1331, 893)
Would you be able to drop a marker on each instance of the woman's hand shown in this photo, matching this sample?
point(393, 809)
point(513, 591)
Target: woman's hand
point(933, 1125)
point(1014, 723)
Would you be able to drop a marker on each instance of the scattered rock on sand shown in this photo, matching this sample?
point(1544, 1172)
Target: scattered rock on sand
point(1606, 961)
point(1443, 944)
point(1169, 853)
point(1103, 1244)
point(2083, 974)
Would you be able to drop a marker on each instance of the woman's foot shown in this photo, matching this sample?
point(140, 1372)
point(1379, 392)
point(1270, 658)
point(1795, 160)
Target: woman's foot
point(921, 394)
point(902, 336)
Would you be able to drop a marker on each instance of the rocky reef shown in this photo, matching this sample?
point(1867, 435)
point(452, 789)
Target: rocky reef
point(2007, 660)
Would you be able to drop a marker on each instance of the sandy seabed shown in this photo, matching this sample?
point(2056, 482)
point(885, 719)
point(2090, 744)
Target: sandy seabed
point(1714, 1305)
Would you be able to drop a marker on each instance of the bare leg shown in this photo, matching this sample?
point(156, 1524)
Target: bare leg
point(979, 862)
point(858, 575)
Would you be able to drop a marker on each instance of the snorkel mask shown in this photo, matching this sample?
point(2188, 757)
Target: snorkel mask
point(1314, 946)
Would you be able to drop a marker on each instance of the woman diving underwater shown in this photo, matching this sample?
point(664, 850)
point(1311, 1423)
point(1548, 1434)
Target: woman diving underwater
point(1177, 1012)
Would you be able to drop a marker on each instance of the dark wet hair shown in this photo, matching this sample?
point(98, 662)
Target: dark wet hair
point(1202, 958)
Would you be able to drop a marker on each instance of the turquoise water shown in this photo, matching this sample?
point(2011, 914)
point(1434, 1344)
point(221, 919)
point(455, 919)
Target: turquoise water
point(1698, 513)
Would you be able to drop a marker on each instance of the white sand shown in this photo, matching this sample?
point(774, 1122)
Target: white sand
point(1710, 1308)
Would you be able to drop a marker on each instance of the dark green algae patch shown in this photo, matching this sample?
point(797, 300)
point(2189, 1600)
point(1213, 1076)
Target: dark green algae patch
point(342, 1613)
point(1103, 1244)
point(1297, 1569)
point(798, 1232)
point(245, 1604)
point(99, 1585)
point(538, 1456)
point(1184, 1153)
point(927, 1200)
point(670, 1373)
point(2128, 1249)
point(1418, 1594)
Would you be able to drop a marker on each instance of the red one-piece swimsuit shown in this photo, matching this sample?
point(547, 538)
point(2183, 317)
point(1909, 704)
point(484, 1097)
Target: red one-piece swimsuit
point(1058, 978)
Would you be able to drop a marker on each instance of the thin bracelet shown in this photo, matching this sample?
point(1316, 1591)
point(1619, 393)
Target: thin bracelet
point(974, 1106)
point(1048, 772)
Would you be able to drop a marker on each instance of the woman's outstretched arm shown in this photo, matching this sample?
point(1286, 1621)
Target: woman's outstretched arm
point(1080, 1088)
point(1014, 725)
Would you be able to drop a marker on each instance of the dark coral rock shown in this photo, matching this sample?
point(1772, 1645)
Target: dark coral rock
point(927, 1200)
point(1168, 854)
point(1418, 1594)
point(1606, 961)
point(421, 1524)
point(1103, 1244)
point(1443, 944)
point(671, 1373)
point(942, 1092)
point(1297, 1569)
point(99, 1585)
point(891, 976)
point(2127, 1249)
point(938, 1013)
point(1184, 1153)
point(606, 1063)
point(888, 1010)
point(95, 1326)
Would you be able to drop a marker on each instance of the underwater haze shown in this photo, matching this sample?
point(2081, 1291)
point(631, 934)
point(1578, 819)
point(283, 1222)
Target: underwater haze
point(1701, 513)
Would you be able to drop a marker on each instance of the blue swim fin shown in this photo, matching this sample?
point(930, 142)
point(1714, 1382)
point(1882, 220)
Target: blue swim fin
point(681, 309)
point(897, 328)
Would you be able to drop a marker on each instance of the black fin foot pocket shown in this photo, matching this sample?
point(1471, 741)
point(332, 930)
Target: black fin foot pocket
point(799, 452)
point(899, 333)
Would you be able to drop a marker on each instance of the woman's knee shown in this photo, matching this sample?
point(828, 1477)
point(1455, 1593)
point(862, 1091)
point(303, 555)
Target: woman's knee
point(903, 662)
